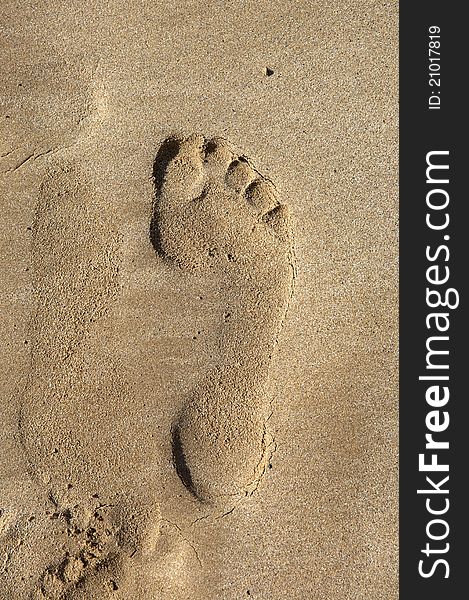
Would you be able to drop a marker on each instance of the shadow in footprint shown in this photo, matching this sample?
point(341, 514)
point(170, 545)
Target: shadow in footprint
point(168, 150)
point(179, 461)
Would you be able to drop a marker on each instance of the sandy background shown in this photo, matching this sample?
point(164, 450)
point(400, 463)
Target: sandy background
point(101, 85)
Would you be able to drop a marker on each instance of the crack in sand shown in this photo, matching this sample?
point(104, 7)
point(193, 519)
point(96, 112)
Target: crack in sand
point(30, 156)
point(180, 532)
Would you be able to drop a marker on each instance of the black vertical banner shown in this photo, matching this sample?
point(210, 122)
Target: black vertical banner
point(434, 258)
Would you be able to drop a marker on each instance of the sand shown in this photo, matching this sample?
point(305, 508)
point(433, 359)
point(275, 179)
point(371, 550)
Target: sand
point(199, 300)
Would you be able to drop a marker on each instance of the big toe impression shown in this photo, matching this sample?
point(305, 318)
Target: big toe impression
point(183, 173)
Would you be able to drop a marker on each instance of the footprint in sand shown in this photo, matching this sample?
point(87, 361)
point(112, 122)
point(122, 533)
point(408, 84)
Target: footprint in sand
point(215, 215)
point(89, 550)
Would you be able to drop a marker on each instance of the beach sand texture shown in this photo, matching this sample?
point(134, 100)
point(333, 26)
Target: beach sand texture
point(198, 300)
